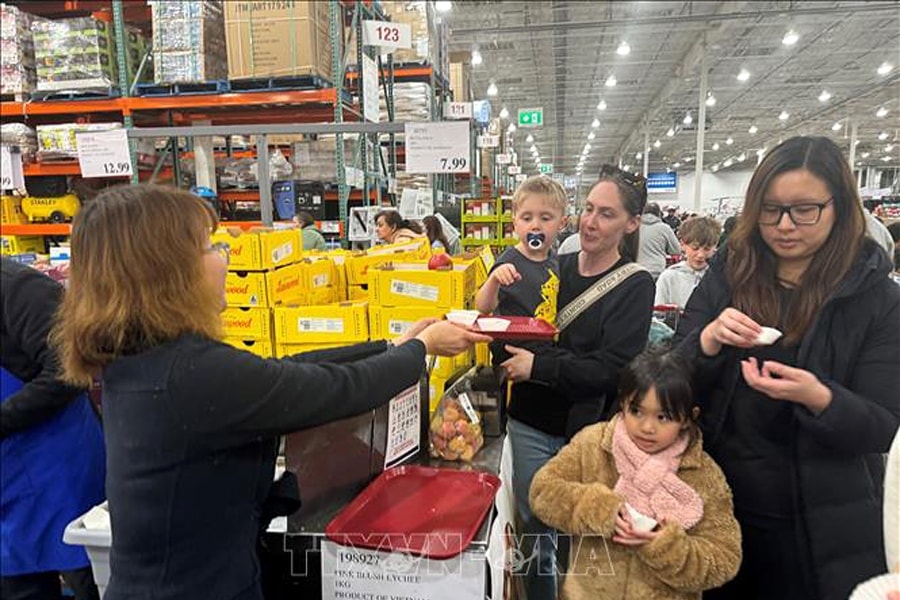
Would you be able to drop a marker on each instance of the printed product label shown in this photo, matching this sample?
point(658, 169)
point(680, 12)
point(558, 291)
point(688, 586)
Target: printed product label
point(282, 252)
point(467, 406)
point(320, 325)
point(414, 290)
point(320, 280)
point(396, 327)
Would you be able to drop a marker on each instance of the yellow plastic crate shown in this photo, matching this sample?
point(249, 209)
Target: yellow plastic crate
point(344, 322)
point(247, 323)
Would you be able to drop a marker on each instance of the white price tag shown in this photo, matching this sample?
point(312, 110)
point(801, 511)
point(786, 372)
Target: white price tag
point(437, 147)
point(488, 141)
point(370, 89)
point(386, 34)
point(404, 417)
point(458, 110)
point(504, 159)
point(104, 153)
point(514, 169)
point(11, 177)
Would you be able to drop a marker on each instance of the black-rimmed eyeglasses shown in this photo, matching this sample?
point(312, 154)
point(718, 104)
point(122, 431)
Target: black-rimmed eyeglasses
point(223, 248)
point(805, 213)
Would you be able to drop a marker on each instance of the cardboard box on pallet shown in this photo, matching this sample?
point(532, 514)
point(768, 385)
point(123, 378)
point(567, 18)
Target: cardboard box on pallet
point(188, 41)
point(17, 67)
point(247, 323)
point(260, 249)
point(344, 322)
point(319, 278)
point(358, 264)
point(415, 284)
point(266, 288)
point(282, 350)
point(263, 348)
point(77, 53)
point(277, 39)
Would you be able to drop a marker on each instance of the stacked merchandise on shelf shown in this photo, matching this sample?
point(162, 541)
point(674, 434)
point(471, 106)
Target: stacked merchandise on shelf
point(21, 136)
point(277, 39)
point(74, 54)
point(314, 160)
point(58, 142)
point(412, 102)
point(188, 41)
point(17, 68)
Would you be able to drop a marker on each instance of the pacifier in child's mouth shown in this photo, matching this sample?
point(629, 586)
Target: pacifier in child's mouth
point(535, 240)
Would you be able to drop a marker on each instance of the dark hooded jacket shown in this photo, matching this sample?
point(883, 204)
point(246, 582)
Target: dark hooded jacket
point(853, 347)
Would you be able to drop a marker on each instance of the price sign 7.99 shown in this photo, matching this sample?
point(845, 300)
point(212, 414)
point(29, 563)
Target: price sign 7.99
point(438, 147)
point(386, 35)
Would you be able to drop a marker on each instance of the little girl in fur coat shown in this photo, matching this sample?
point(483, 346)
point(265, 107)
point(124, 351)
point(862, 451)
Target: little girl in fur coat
point(649, 458)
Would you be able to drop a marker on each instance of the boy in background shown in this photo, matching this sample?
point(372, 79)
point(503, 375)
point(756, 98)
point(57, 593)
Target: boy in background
point(699, 237)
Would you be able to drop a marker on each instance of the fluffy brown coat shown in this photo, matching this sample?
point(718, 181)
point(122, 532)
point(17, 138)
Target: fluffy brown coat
point(573, 493)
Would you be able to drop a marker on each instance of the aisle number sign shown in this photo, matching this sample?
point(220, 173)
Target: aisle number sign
point(546, 168)
point(504, 159)
point(386, 35)
point(488, 141)
point(458, 110)
point(514, 169)
point(11, 177)
point(437, 147)
point(531, 117)
point(104, 153)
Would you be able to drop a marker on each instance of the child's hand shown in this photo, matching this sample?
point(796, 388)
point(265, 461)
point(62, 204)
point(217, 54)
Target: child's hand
point(506, 274)
point(627, 536)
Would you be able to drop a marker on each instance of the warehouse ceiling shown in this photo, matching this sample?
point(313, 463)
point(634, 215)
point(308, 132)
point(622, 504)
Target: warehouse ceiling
point(843, 69)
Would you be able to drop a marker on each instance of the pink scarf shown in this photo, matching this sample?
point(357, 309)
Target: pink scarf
point(649, 482)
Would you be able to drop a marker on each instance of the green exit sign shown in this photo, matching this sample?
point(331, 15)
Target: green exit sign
point(531, 117)
point(546, 169)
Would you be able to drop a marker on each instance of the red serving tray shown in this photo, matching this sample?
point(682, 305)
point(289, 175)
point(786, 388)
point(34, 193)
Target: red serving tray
point(521, 328)
point(425, 511)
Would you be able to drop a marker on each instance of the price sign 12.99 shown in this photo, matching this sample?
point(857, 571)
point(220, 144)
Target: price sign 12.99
point(104, 153)
point(386, 35)
point(438, 147)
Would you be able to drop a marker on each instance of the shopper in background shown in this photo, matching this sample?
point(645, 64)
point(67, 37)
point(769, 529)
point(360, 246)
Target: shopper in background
point(698, 244)
point(52, 466)
point(799, 426)
point(391, 228)
point(435, 234)
point(191, 423)
point(658, 241)
point(312, 238)
point(671, 219)
point(877, 230)
point(727, 228)
point(580, 375)
point(648, 458)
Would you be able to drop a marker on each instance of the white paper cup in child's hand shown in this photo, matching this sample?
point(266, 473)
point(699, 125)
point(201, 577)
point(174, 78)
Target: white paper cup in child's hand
point(639, 521)
point(768, 336)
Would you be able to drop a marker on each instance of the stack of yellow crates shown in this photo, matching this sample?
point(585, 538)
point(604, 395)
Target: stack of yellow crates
point(264, 271)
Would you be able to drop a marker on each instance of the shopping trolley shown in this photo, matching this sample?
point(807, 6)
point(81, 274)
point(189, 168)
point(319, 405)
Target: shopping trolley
point(664, 322)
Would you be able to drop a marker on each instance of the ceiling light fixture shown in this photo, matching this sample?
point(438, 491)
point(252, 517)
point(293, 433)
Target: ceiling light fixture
point(881, 112)
point(657, 144)
point(825, 96)
point(790, 38)
point(715, 168)
point(611, 81)
point(889, 147)
point(710, 99)
point(728, 163)
point(729, 142)
point(784, 115)
point(883, 135)
point(885, 68)
point(624, 49)
point(587, 148)
point(504, 114)
point(476, 58)
point(595, 123)
point(742, 157)
point(864, 155)
point(529, 139)
point(626, 168)
point(442, 6)
point(637, 156)
point(744, 75)
point(492, 89)
point(753, 129)
point(511, 128)
point(602, 105)
point(592, 135)
point(688, 119)
point(676, 165)
point(670, 132)
point(836, 127)
point(533, 149)
point(715, 146)
point(886, 158)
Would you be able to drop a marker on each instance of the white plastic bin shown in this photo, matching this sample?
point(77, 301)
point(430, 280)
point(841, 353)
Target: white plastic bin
point(97, 543)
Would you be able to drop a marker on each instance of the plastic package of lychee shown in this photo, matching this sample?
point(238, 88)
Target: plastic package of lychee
point(455, 431)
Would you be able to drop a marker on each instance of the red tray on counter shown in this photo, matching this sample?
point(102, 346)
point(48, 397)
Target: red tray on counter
point(521, 328)
point(419, 510)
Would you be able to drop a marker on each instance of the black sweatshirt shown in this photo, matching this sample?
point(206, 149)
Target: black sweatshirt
point(29, 300)
point(190, 431)
point(582, 373)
